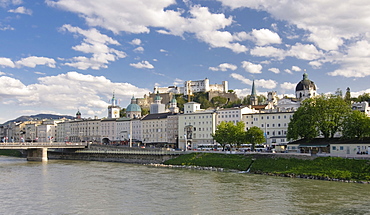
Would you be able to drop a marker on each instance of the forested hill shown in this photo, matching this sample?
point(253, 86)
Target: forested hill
point(38, 117)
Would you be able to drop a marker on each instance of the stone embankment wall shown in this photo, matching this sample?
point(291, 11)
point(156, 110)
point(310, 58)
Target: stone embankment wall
point(113, 154)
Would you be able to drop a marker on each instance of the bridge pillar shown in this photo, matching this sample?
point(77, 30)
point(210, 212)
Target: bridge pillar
point(40, 154)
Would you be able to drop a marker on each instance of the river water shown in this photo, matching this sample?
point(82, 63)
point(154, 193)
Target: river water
point(81, 187)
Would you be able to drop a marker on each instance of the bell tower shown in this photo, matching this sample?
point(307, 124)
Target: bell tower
point(113, 109)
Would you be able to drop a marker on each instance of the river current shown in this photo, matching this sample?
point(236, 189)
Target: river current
point(82, 187)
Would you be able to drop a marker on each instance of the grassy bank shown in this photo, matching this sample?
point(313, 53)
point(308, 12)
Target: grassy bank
point(13, 153)
point(321, 167)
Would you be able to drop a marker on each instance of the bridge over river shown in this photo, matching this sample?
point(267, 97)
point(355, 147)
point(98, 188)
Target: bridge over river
point(38, 151)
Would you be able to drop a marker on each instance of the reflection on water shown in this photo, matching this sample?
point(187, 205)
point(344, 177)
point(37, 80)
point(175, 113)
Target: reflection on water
point(79, 187)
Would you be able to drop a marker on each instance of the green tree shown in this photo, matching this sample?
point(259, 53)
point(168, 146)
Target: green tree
point(303, 124)
point(145, 111)
point(356, 125)
point(218, 101)
point(319, 115)
point(122, 113)
point(180, 101)
point(222, 134)
point(254, 136)
point(347, 96)
point(363, 97)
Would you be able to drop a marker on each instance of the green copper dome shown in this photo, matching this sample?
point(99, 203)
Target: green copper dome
point(133, 108)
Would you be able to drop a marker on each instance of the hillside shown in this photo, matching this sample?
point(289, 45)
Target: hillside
point(38, 117)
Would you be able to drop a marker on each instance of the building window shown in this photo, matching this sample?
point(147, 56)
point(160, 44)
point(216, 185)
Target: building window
point(334, 148)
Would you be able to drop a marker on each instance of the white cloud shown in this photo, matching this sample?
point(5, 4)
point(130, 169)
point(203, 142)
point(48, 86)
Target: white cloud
point(139, 49)
point(264, 37)
point(296, 69)
point(317, 17)
point(6, 62)
point(178, 82)
point(141, 15)
point(136, 42)
point(305, 52)
point(2, 73)
point(288, 86)
point(268, 84)
point(274, 70)
point(96, 44)
point(268, 51)
point(288, 71)
point(223, 67)
point(251, 68)
point(21, 10)
point(162, 50)
point(241, 78)
point(328, 24)
point(142, 65)
point(34, 61)
point(59, 93)
point(355, 62)
point(6, 28)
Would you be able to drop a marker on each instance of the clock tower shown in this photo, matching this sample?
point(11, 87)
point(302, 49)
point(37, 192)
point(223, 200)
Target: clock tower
point(113, 109)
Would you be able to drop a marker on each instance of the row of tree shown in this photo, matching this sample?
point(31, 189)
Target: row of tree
point(325, 116)
point(233, 135)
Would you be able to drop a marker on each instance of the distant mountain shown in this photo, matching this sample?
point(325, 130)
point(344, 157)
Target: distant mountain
point(39, 117)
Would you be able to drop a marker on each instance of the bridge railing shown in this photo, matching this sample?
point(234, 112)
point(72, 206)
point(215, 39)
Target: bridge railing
point(41, 144)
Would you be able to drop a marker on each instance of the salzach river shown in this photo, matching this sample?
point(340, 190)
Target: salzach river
point(79, 187)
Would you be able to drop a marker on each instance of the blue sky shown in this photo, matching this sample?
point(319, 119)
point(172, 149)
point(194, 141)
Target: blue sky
point(60, 56)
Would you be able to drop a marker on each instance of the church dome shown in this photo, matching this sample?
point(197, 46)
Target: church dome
point(133, 108)
point(305, 84)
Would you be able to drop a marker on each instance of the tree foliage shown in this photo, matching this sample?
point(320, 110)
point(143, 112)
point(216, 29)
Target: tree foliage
point(322, 115)
point(356, 125)
point(254, 136)
point(230, 134)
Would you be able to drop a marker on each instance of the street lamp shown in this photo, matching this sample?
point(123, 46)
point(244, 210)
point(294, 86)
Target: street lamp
point(186, 147)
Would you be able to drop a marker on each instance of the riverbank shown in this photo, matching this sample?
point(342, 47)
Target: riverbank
point(13, 153)
point(321, 168)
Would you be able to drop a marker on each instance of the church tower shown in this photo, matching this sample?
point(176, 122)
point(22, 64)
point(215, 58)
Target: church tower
point(253, 98)
point(157, 106)
point(305, 88)
point(113, 109)
point(78, 115)
point(133, 110)
point(173, 106)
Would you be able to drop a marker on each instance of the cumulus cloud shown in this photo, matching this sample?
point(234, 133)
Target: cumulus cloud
point(139, 50)
point(178, 82)
point(59, 93)
point(264, 37)
point(274, 70)
point(6, 62)
point(96, 44)
point(296, 69)
point(288, 85)
point(252, 68)
point(21, 10)
point(355, 62)
point(223, 67)
point(268, 84)
point(206, 26)
point(316, 19)
point(34, 61)
point(142, 65)
point(268, 51)
point(136, 42)
point(288, 71)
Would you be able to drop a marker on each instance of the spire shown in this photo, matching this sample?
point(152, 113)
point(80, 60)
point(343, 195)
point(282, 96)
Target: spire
point(253, 89)
point(253, 98)
point(114, 100)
